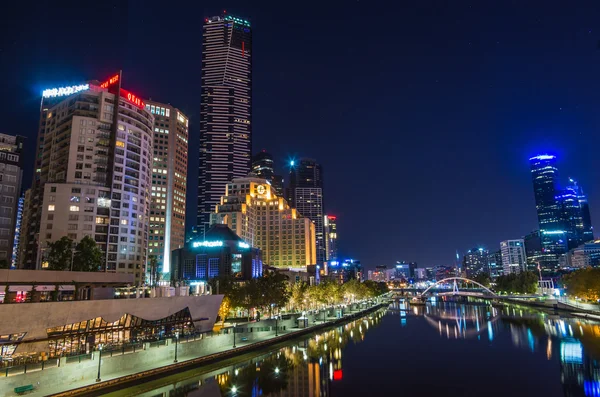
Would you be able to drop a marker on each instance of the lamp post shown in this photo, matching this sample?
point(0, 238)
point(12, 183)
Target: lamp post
point(276, 318)
point(234, 324)
point(324, 315)
point(176, 340)
point(73, 246)
point(98, 379)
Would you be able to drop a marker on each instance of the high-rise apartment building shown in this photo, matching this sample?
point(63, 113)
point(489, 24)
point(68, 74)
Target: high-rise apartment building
point(11, 175)
point(254, 212)
point(306, 194)
point(93, 175)
point(226, 109)
point(169, 178)
point(513, 256)
point(475, 261)
point(330, 225)
point(263, 167)
point(494, 264)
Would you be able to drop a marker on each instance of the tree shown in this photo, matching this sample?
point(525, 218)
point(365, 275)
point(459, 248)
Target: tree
point(522, 283)
point(154, 273)
point(4, 264)
point(60, 254)
point(224, 309)
point(583, 283)
point(88, 257)
point(299, 295)
point(483, 279)
point(274, 291)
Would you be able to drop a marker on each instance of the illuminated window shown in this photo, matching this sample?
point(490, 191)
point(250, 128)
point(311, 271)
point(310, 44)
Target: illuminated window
point(74, 208)
point(51, 207)
point(120, 144)
point(168, 112)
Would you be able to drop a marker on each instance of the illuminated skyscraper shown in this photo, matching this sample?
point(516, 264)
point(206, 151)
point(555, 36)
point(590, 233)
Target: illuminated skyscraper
point(169, 179)
point(226, 109)
point(306, 195)
point(331, 236)
point(545, 186)
point(475, 261)
point(513, 256)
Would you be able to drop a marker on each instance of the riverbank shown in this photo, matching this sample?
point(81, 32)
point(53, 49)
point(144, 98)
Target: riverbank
point(118, 371)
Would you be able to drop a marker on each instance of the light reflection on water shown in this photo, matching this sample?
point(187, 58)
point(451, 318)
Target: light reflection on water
point(313, 367)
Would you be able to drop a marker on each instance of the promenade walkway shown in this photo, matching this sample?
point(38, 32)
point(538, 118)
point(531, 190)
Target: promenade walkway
point(163, 357)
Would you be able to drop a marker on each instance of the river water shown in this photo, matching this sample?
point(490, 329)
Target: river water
point(442, 348)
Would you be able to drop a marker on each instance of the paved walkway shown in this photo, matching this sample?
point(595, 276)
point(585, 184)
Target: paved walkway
point(40, 390)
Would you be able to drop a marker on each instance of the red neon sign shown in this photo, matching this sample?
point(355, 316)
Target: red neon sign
point(110, 81)
point(337, 374)
point(133, 99)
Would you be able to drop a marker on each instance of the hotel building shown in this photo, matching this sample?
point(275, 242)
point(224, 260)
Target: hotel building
point(252, 210)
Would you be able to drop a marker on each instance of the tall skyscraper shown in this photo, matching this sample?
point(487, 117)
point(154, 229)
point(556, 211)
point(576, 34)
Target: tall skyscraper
point(11, 175)
point(563, 214)
point(93, 175)
point(494, 264)
point(306, 193)
point(263, 167)
point(545, 186)
point(169, 178)
point(226, 109)
point(513, 256)
point(475, 261)
point(254, 212)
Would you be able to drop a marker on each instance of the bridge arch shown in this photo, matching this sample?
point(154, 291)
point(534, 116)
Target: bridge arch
point(455, 279)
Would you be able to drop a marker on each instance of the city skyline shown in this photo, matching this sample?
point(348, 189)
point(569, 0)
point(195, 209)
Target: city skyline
point(475, 189)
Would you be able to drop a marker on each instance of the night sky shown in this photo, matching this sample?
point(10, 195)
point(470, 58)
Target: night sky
point(423, 113)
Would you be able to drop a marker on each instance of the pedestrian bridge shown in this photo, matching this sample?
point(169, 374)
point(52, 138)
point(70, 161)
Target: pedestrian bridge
point(472, 288)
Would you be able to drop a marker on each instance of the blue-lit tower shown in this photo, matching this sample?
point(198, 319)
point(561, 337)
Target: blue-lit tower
point(545, 187)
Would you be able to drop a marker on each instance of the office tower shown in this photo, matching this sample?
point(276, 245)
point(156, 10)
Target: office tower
point(584, 227)
point(475, 261)
point(93, 175)
point(545, 186)
point(169, 178)
point(513, 256)
point(263, 167)
point(405, 270)
point(306, 193)
point(254, 212)
point(330, 225)
point(494, 264)
point(533, 249)
point(226, 109)
point(11, 175)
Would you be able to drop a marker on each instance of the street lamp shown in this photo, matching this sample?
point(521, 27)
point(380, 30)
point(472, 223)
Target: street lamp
point(276, 318)
point(176, 340)
point(99, 360)
point(73, 246)
point(234, 324)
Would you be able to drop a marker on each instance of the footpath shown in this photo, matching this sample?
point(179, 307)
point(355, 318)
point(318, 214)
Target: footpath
point(124, 370)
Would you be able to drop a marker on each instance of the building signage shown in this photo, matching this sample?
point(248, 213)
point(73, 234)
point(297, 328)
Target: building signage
point(133, 99)
point(209, 244)
point(242, 244)
point(110, 81)
point(62, 91)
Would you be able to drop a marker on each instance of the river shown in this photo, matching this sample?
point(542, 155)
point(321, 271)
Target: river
point(442, 348)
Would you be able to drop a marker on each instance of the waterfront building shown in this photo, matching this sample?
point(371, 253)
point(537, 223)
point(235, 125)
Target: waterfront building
point(226, 109)
point(253, 211)
point(379, 274)
point(421, 273)
point(11, 175)
point(92, 175)
point(533, 250)
point(342, 272)
point(405, 270)
point(581, 217)
point(220, 252)
point(585, 255)
point(513, 256)
point(475, 261)
point(306, 195)
point(169, 179)
point(494, 264)
point(71, 313)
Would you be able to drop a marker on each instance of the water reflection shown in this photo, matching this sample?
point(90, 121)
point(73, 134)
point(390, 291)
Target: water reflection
point(304, 368)
point(560, 349)
point(575, 340)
